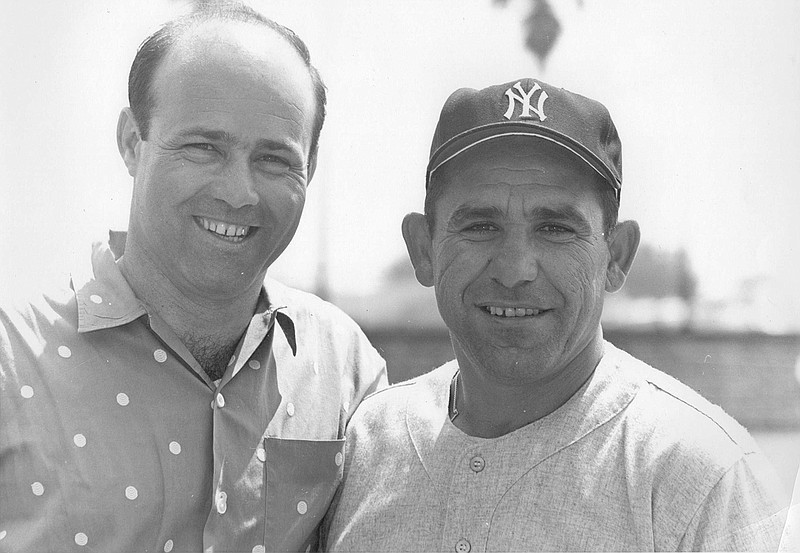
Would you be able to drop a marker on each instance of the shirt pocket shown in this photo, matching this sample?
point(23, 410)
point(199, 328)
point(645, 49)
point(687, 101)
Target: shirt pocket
point(300, 478)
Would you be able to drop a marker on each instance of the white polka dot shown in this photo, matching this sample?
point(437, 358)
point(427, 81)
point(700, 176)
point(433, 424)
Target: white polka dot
point(160, 355)
point(174, 448)
point(131, 493)
point(259, 549)
point(26, 392)
point(79, 440)
point(290, 409)
point(123, 399)
point(261, 453)
point(37, 488)
point(64, 352)
point(168, 545)
point(94, 298)
point(338, 458)
point(81, 539)
point(255, 365)
point(302, 507)
point(3, 534)
point(232, 361)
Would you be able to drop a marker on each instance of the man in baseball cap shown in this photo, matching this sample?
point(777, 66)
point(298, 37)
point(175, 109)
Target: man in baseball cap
point(540, 435)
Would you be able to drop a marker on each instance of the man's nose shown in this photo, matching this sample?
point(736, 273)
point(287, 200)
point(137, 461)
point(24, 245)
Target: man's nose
point(237, 185)
point(516, 260)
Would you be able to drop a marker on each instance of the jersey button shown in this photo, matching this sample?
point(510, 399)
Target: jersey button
point(477, 463)
point(463, 546)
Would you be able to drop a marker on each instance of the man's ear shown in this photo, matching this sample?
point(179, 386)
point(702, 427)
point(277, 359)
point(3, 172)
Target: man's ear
point(622, 245)
point(128, 140)
point(419, 246)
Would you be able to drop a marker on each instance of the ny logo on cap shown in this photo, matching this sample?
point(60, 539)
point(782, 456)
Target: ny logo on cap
point(524, 98)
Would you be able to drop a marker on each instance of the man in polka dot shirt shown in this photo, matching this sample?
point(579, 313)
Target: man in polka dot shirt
point(172, 399)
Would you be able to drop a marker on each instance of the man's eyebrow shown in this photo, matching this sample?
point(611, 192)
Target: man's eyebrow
point(561, 213)
point(209, 134)
point(468, 212)
point(228, 138)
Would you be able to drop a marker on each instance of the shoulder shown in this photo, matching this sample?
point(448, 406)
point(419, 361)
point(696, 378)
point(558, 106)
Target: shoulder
point(306, 308)
point(673, 422)
point(426, 388)
point(36, 312)
point(424, 396)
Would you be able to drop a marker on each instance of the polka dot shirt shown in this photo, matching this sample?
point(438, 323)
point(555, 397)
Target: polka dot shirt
point(112, 437)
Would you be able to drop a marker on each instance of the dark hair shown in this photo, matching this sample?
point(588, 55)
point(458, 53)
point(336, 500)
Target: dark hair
point(155, 48)
point(605, 194)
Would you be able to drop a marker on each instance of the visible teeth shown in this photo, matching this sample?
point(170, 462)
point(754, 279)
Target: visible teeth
point(229, 230)
point(512, 311)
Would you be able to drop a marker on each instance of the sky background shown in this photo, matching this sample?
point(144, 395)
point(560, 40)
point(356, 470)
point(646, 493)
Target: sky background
point(704, 94)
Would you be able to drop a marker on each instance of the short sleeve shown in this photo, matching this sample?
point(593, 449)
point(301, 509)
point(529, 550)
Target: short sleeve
point(741, 513)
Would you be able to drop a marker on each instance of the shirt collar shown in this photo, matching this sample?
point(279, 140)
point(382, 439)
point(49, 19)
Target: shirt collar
point(610, 389)
point(105, 300)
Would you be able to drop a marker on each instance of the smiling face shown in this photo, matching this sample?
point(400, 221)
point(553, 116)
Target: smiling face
point(220, 182)
point(518, 259)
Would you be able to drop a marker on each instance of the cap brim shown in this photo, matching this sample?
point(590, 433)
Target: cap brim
point(478, 135)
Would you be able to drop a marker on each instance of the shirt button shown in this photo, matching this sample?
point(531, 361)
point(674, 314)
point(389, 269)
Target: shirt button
point(94, 298)
point(290, 409)
point(220, 401)
point(160, 355)
point(463, 546)
point(477, 463)
point(222, 502)
point(254, 364)
point(302, 507)
point(261, 454)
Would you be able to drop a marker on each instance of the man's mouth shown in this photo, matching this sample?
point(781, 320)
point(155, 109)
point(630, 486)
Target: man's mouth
point(227, 231)
point(512, 311)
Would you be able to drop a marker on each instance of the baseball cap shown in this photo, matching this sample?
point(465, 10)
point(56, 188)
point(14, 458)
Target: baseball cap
point(528, 107)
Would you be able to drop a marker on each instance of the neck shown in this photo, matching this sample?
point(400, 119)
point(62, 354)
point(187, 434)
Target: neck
point(191, 316)
point(489, 409)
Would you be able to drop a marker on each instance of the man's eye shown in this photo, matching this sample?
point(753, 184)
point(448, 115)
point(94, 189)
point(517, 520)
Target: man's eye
point(481, 228)
point(273, 164)
point(556, 232)
point(555, 228)
point(202, 150)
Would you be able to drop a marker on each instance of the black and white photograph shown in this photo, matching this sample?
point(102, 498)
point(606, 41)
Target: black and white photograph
point(431, 275)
